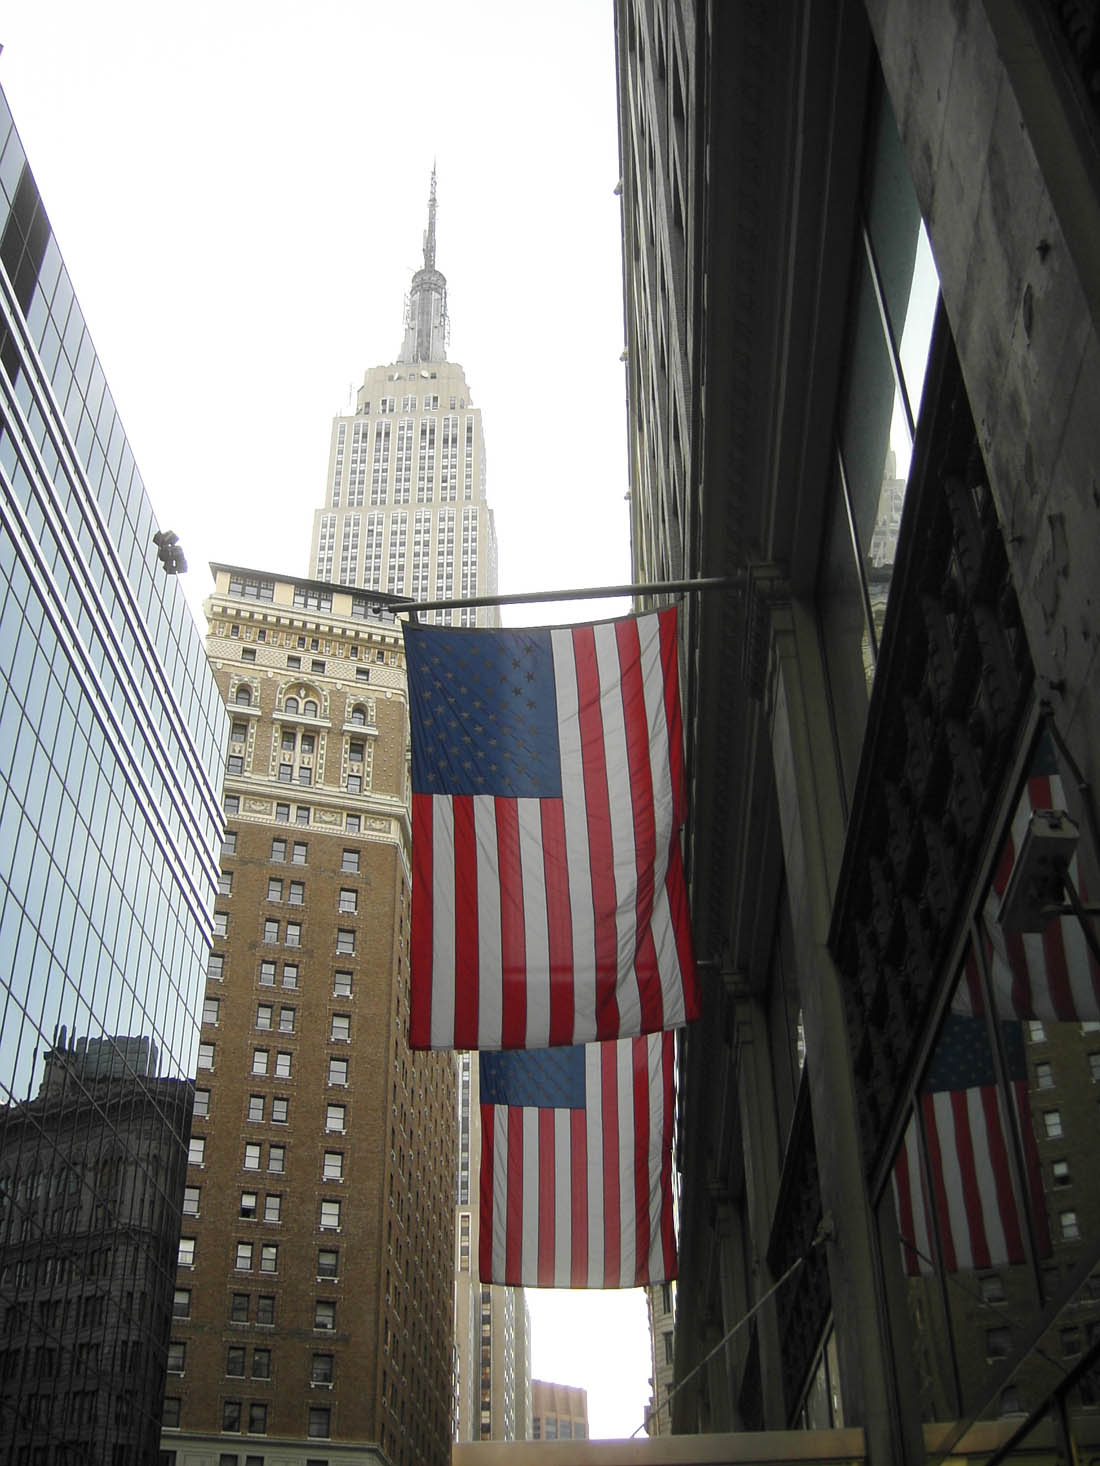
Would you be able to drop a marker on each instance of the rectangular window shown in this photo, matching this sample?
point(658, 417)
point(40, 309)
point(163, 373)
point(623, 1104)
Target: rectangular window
point(202, 1103)
point(265, 1015)
point(345, 941)
point(234, 1363)
point(290, 974)
point(234, 764)
point(1071, 1228)
point(294, 661)
point(278, 850)
point(1052, 1124)
point(352, 824)
point(170, 1413)
point(324, 1314)
point(238, 1308)
point(330, 1216)
point(248, 653)
point(210, 1010)
point(243, 1261)
point(282, 1064)
point(248, 1206)
point(181, 1303)
point(269, 1258)
point(348, 900)
point(231, 804)
point(338, 1071)
point(261, 1364)
point(299, 853)
point(328, 1263)
point(321, 1371)
point(196, 1151)
point(280, 1110)
point(256, 1108)
point(259, 1060)
point(294, 934)
point(252, 1157)
point(215, 966)
point(318, 1426)
point(341, 984)
point(229, 844)
point(191, 1195)
point(267, 974)
point(265, 1308)
point(335, 1116)
point(282, 813)
point(185, 1256)
point(297, 893)
point(341, 1028)
point(349, 862)
point(225, 883)
point(1044, 1076)
point(177, 1356)
point(274, 888)
point(287, 1019)
point(302, 814)
point(221, 923)
point(273, 1207)
point(271, 931)
point(332, 1168)
point(276, 1158)
point(231, 1415)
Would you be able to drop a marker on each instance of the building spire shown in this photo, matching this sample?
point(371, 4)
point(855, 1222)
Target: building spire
point(426, 309)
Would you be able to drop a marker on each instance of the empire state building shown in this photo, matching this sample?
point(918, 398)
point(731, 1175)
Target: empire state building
point(405, 509)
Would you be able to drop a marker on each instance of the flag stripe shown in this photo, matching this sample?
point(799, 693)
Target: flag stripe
point(672, 722)
point(547, 1210)
point(598, 821)
point(615, 665)
point(575, 824)
point(420, 938)
point(536, 933)
point(515, 1243)
point(640, 1086)
point(612, 1168)
point(466, 927)
point(639, 748)
point(489, 918)
point(578, 1151)
point(488, 1190)
point(559, 922)
point(513, 941)
point(443, 931)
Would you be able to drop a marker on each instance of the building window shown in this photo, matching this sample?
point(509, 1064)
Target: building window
point(248, 1207)
point(352, 824)
point(321, 1369)
point(274, 889)
point(265, 1015)
point(206, 1056)
point(234, 764)
point(215, 966)
point(301, 814)
point(335, 1116)
point(238, 1308)
point(330, 1216)
point(282, 1064)
point(229, 844)
point(328, 1263)
point(319, 1418)
point(265, 1308)
point(196, 1150)
point(248, 653)
point(341, 985)
point(278, 850)
point(234, 1361)
point(282, 813)
point(252, 1157)
point(202, 1103)
point(1059, 1171)
point(221, 923)
point(225, 883)
point(267, 974)
point(287, 1019)
point(338, 1071)
point(998, 1341)
point(349, 862)
point(290, 974)
point(341, 1028)
point(992, 1288)
point(177, 1356)
point(345, 941)
point(185, 1256)
point(1036, 1033)
point(1052, 1124)
point(294, 664)
point(1094, 1068)
point(332, 1168)
point(280, 1110)
point(348, 901)
point(231, 803)
point(243, 1264)
point(271, 931)
point(299, 852)
point(261, 1364)
point(276, 1158)
point(1071, 1229)
point(297, 893)
point(231, 1415)
point(210, 1010)
point(324, 1314)
point(256, 1108)
point(273, 1207)
point(269, 1258)
point(191, 1195)
point(170, 1413)
point(260, 1059)
point(1044, 1076)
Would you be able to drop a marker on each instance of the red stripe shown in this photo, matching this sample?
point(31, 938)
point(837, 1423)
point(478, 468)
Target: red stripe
point(935, 1166)
point(972, 1197)
point(485, 1192)
point(513, 937)
point(1033, 1170)
point(636, 726)
point(513, 1246)
point(609, 1094)
point(907, 1230)
point(420, 937)
point(578, 1197)
point(466, 977)
point(671, 676)
point(1007, 1207)
point(546, 1199)
point(668, 1225)
point(559, 920)
point(639, 1056)
point(598, 816)
point(680, 916)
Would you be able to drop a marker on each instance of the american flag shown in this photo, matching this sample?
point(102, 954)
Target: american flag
point(576, 1165)
point(549, 904)
point(972, 1203)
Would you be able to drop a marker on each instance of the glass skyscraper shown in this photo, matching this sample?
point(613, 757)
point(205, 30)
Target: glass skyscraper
point(110, 726)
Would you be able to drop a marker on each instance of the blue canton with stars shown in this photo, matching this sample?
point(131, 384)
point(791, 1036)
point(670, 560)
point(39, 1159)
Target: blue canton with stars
point(541, 1079)
point(483, 711)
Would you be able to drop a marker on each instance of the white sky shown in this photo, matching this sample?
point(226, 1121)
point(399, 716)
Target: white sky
point(239, 191)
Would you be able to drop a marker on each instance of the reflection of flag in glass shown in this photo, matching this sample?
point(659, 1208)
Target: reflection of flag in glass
point(548, 892)
point(1049, 975)
point(973, 1205)
point(576, 1165)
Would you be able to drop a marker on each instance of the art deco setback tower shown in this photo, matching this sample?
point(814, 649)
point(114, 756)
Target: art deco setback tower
point(314, 1293)
point(405, 509)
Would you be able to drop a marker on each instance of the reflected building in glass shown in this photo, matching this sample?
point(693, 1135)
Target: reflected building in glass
point(109, 828)
point(863, 383)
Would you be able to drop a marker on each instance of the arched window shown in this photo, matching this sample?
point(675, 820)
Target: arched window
point(291, 705)
point(310, 708)
point(359, 715)
point(243, 696)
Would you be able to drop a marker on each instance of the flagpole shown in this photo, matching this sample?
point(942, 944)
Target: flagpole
point(573, 593)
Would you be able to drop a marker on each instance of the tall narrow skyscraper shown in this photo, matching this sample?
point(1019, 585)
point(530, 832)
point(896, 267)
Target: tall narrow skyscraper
point(405, 509)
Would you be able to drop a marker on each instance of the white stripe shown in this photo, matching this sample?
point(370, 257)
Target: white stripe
point(656, 1097)
point(628, 1220)
point(500, 1191)
point(624, 856)
point(490, 983)
point(536, 925)
point(443, 924)
point(986, 1180)
point(529, 1251)
point(952, 1179)
point(667, 954)
point(563, 1213)
point(593, 1117)
point(649, 634)
point(576, 838)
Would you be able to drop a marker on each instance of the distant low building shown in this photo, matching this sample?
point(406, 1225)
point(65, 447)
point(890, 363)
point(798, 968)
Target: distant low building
point(558, 1412)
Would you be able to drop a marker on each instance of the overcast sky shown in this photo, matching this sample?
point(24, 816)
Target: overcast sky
point(240, 190)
